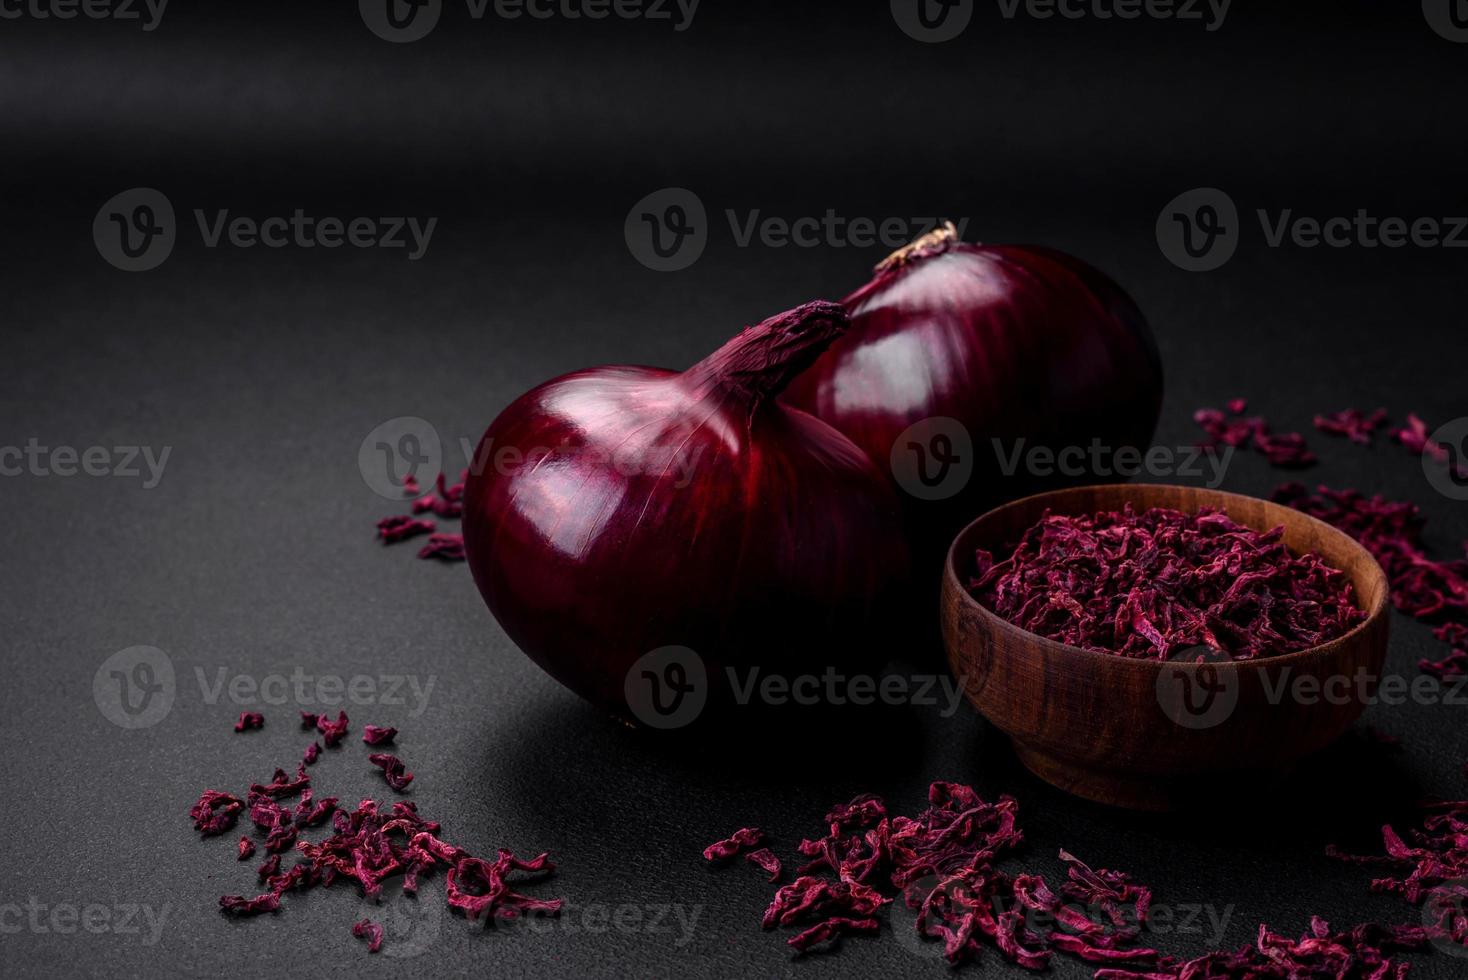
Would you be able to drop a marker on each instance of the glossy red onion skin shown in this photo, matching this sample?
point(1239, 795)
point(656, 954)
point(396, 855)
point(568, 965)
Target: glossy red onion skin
point(1012, 341)
point(785, 551)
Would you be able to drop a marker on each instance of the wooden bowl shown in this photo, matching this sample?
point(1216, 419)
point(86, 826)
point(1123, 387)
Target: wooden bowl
point(1150, 734)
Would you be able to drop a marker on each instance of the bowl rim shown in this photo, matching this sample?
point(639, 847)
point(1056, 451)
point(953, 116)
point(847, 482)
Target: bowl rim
point(951, 582)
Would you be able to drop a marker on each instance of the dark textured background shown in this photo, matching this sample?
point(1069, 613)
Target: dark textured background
point(264, 370)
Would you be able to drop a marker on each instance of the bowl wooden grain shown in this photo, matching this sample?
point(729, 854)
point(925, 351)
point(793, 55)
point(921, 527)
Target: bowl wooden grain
point(1148, 734)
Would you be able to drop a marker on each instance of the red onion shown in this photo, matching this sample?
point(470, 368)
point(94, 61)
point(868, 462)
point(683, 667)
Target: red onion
point(615, 511)
point(1012, 342)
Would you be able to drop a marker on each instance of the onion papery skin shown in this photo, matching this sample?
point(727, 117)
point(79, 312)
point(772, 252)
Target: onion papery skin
point(783, 550)
point(1014, 342)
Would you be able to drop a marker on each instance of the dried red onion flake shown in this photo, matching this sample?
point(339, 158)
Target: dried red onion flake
point(1422, 587)
point(370, 931)
point(393, 770)
point(765, 860)
point(1285, 449)
point(1149, 584)
point(943, 865)
point(378, 735)
point(447, 501)
point(366, 846)
point(741, 840)
point(445, 547)
point(402, 527)
point(1352, 423)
